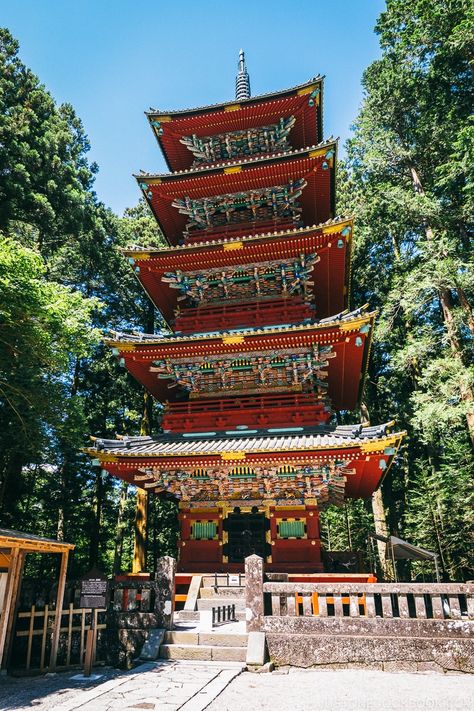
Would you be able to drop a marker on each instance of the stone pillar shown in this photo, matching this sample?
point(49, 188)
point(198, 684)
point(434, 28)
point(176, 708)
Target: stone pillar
point(254, 593)
point(164, 591)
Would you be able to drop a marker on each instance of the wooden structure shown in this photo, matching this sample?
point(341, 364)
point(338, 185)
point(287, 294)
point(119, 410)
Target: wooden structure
point(261, 349)
point(14, 546)
point(75, 623)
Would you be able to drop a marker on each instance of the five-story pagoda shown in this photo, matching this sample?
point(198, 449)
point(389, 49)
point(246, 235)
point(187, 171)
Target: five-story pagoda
point(262, 348)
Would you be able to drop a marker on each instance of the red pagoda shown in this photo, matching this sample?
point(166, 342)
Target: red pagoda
point(262, 349)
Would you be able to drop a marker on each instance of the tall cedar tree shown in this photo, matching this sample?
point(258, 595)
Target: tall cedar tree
point(57, 380)
point(408, 180)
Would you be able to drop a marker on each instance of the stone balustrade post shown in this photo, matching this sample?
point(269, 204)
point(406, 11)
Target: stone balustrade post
point(254, 593)
point(164, 591)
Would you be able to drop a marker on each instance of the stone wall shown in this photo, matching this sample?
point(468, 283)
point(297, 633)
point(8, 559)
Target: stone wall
point(415, 645)
point(127, 631)
point(378, 625)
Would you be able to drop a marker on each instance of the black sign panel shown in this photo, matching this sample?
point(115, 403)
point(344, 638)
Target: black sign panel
point(94, 590)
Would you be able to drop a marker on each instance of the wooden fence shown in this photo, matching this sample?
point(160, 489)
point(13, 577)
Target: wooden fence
point(34, 631)
point(405, 600)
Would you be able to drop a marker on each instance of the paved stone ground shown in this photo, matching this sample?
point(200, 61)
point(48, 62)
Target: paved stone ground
point(191, 686)
point(160, 686)
point(347, 690)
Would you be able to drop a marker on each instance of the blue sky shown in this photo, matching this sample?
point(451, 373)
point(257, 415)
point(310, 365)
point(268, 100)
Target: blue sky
point(113, 60)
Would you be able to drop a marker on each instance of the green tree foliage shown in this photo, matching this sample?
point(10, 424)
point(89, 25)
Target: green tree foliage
point(44, 326)
point(409, 182)
point(64, 280)
point(45, 178)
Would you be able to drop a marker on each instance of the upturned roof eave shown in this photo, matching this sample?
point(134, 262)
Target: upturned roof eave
point(157, 114)
point(181, 113)
point(200, 246)
point(369, 444)
point(222, 167)
point(361, 316)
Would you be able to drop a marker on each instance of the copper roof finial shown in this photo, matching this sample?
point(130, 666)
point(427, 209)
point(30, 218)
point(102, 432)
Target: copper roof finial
point(242, 80)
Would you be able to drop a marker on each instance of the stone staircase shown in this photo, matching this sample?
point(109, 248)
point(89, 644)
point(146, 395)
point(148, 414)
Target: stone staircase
point(204, 646)
point(226, 643)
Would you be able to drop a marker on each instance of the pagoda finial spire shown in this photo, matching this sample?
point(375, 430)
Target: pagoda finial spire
point(242, 80)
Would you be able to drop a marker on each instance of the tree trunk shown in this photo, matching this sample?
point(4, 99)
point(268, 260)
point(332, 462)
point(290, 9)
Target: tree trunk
point(378, 510)
point(348, 525)
point(139, 549)
point(63, 477)
point(381, 529)
point(465, 391)
point(120, 529)
point(466, 307)
point(61, 534)
point(9, 481)
point(433, 496)
point(445, 298)
point(141, 512)
point(95, 528)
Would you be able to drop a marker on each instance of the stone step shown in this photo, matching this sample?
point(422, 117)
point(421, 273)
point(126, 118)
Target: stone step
point(186, 616)
point(222, 592)
point(218, 639)
point(209, 603)
point(193, 615)
point(203, 653)
point(209, 581)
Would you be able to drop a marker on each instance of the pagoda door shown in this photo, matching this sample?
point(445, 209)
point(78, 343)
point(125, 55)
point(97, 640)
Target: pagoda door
point(246, 536)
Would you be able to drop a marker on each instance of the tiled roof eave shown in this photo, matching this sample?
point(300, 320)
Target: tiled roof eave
point(250, 162)
point(181, 113)
point(198, 247)
point(359, 316)
point(291, 444)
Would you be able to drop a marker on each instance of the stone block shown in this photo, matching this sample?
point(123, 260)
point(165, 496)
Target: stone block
point(186, 651)
point(256, 649)
point(228, 654)
point(205, 620)
point(193, 593)
point(187, 615)
point(399, 666)
point(222, 592)
point(164, 591)
point(317, 650)
point(223, 639)
point(132, 620)
point(254, 592)
point(378, 666)
point(266, 668)
point(123, 646)
point(428, 667)
point(151, 648)
point(369, 627)
point(176, 637)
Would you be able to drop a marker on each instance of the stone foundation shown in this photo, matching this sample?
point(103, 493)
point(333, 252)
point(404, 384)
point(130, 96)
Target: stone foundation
point(392, 645)
point(127, 630)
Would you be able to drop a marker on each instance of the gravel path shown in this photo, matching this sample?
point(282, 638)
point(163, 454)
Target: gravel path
point(347, 690)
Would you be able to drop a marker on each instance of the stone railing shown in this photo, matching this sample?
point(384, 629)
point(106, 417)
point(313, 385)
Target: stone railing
point(410, 626)
point(420, 601)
